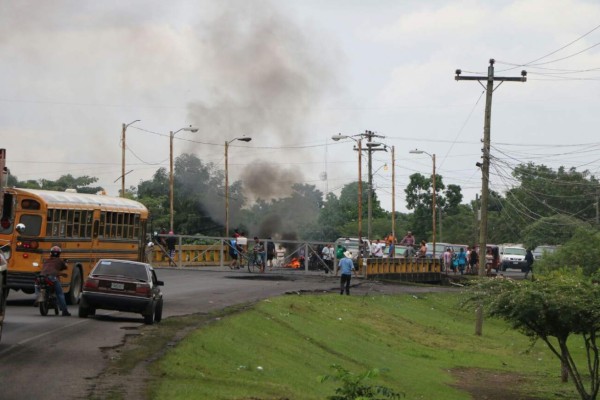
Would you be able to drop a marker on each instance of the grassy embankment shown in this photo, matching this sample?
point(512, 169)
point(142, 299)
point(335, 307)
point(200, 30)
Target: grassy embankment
point(278, 349)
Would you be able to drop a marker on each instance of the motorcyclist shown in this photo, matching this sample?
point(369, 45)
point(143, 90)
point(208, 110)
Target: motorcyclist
point(53, 268)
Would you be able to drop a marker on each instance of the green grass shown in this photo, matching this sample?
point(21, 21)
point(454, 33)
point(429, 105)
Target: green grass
point(278, 349)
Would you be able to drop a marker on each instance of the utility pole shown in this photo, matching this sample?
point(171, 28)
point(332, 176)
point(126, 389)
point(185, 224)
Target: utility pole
point(3, 179)
point(123, 147)
point(485, 166)
point(371, 147)
point(393, 198)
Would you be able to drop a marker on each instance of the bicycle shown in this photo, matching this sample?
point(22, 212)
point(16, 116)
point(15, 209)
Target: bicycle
point(256, 262)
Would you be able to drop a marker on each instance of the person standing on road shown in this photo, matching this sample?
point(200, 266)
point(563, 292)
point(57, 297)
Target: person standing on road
point(347, 267)
point(529, 259)
point(233, 253)
point(339, 251)
point(53, 268)
point(461, 259)
point(447, 258)
point(259, 254)
point(170, 241)
point(270, 252)
point(474, 260)
point(327, 255)
point(242, 248)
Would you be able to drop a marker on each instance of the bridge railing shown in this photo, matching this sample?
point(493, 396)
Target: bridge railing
point(205, 251)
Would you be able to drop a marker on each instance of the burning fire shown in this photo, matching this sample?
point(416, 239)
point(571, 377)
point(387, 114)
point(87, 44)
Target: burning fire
point(294, 263)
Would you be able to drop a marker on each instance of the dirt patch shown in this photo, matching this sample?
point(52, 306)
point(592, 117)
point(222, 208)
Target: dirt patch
point(485, 384)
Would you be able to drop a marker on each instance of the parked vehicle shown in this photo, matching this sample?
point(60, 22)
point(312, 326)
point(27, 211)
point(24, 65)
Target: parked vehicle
point(123, 285)
point(440, 248)
point(352, 245)
point(512, 256)
point(539, 251)
point(405, 251)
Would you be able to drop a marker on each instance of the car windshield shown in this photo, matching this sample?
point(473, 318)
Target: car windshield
point(515, 251)
point(116, 268)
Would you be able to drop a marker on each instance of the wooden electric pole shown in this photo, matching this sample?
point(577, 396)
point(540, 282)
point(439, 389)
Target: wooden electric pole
point(485, 165)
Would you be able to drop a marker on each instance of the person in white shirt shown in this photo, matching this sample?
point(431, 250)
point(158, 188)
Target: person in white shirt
point(377, 249)
point(327, 254)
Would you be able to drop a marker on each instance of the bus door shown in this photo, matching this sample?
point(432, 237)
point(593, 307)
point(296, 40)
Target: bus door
point(96, 234)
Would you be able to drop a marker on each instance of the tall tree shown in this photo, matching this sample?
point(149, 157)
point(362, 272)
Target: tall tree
point(543, 192)
point(419, 197)
point(552, 309)
point(81, 184)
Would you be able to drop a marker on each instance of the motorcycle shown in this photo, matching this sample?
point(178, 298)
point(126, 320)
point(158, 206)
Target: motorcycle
point(46, 299)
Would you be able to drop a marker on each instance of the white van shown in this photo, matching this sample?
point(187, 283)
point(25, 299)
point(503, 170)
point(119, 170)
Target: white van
point(512, 256)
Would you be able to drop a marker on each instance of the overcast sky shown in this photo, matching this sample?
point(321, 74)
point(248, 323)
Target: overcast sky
point(290, 74)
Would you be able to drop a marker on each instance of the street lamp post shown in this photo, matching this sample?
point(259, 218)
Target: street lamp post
point(242, 139)
point(171, 178)
point(359, 144)
point(417, 151)
point(125, 126)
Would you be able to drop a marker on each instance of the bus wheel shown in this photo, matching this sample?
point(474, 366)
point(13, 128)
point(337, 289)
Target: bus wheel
point(2, 307)
point(76, 284)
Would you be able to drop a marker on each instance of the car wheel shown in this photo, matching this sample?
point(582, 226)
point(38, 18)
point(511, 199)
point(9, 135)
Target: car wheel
point(76, 284)
point(158, 311)
point(83, 311)
point(3, 296)
point(149, 318)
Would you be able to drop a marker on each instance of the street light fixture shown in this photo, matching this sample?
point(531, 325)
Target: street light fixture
point(417, 151)
point(241, 139)
point(359, 143)
point(125, 126)
point(171, 178)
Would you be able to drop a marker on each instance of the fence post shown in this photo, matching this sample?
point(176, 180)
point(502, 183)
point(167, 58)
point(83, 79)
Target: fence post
point(306, 256)
point(222, 253)
point(180, 252)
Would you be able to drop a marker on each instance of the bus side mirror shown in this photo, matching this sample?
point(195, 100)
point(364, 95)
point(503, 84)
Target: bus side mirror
point(20, 228)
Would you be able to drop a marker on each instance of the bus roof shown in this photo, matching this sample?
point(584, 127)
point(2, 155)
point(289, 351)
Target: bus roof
point(66, 199)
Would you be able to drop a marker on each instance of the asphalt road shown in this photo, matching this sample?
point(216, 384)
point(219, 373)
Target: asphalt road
point(57, 357)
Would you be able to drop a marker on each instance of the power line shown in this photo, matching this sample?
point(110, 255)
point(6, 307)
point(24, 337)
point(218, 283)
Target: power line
point(553, 52)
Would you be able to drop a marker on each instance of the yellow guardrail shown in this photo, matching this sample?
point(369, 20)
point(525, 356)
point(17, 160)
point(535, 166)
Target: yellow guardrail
point(190, 255)
point(403, 266)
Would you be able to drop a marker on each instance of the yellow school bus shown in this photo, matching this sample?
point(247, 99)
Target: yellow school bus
point(86, 227)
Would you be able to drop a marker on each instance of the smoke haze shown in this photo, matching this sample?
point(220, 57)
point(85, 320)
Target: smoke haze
point(265, 75)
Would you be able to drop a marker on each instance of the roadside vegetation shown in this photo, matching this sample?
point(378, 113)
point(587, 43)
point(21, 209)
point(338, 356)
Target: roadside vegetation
point(422, 346)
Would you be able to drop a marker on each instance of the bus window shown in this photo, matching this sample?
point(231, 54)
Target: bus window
point(33, 224)
point(51, 226)
point(120, 225)
point(99, 230)
point(62, 223)
point(70, 215)
point(136, 226)
point(89, 215)
point(76, 223)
